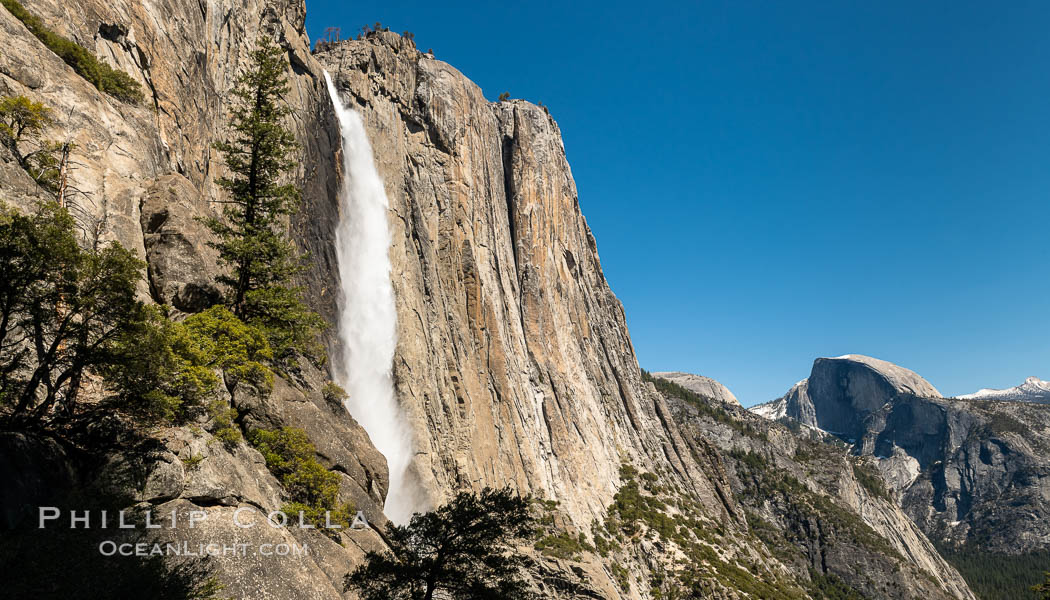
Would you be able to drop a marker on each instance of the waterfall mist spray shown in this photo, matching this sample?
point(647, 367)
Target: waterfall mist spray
point(368, 320)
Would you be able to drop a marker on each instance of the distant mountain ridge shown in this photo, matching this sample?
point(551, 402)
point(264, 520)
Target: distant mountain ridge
point(873, 381)
point(1032, 390)
point(972, 471)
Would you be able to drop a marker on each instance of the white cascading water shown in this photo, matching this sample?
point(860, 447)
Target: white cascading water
point(368, 320)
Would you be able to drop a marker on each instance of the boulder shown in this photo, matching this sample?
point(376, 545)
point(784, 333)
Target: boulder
point(181, 265)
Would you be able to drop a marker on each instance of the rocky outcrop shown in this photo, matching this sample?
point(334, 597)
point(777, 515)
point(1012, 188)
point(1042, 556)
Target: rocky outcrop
point(187, 472)
point(795, 404)
point(991, 490)
point(811, 516)
point(968, 471)
point(181, 264)
point(704, 386)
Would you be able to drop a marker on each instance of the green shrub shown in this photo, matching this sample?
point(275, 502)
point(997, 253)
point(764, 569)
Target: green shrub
point(226, 430)
point(290, 326)
point(236, 347)
point(753, 461)
point(314, 490)
point(631, 508)
point(563, 545)
point(193, 461)
point(871, 480)
point(830, 587)
point(334, 393)
point(999, 424)
point(804, 455)
point(22, 123)
point(111, 81)
point(622, 576)
point(602, 544)
point(163, 370)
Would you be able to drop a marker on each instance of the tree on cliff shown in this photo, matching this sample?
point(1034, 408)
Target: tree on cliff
point(253, 239)
point(463, 550)
point(22, 123)
point(62, 309)
point(1043, 589)
point(69, 313)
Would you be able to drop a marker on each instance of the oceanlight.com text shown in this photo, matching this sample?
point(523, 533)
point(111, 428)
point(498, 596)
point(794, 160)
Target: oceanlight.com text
point(112, 548)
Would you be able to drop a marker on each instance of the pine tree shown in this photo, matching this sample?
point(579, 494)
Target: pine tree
point(64, 312)
point(253, 240)
point(463, 550)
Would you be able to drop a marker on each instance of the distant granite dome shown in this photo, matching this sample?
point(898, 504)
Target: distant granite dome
point(866, 382)
point(1032, 390)
point(966, 471)
point(904, 380)
point(705, 386)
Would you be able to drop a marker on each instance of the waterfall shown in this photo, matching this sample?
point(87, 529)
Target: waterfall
point(368, 320)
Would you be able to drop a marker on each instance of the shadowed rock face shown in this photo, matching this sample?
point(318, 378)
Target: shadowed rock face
point(876, 405)
point(967, 470)
point(842, 392)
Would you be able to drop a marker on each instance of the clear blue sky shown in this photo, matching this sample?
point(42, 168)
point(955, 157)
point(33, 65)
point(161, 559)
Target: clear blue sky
point(773, 182)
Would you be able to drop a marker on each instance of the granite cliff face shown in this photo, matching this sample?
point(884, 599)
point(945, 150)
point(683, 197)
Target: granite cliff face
point(968, 471)
point(142, 175)
point(513, 363)
point(144, 172)
point(842, 392)
point(513, 359)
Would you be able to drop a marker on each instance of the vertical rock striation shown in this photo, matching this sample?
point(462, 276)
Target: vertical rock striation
point(142, 176)
point(186, 55)
point(513, 362)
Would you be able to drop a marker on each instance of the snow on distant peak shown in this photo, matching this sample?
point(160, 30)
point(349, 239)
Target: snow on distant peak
point(771, 410)
point(1032, 390)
